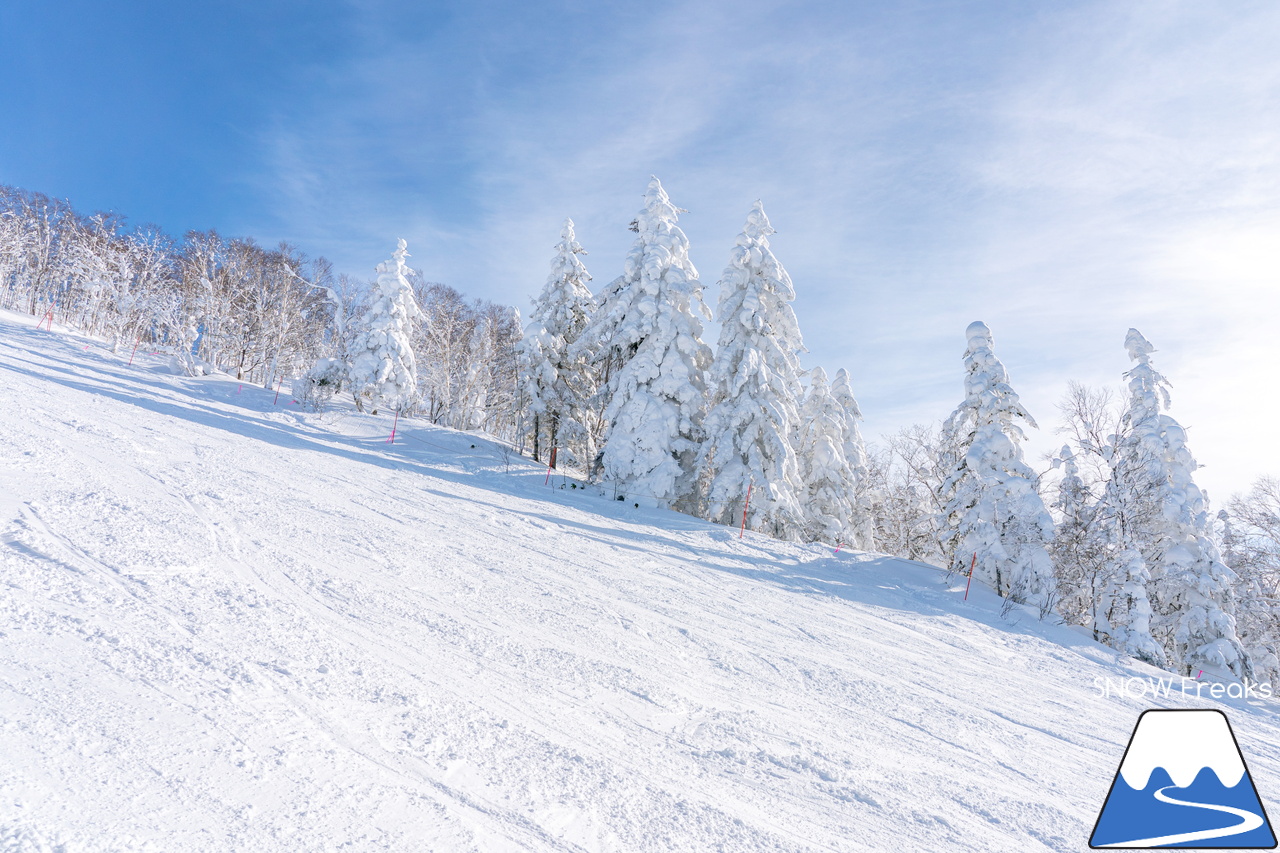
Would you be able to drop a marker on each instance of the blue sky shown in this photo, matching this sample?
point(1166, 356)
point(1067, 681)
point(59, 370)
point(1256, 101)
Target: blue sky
point(1061, 171)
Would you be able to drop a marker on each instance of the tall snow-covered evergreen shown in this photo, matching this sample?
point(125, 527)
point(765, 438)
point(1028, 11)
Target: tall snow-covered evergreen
point(1161, 514)
point(829, 489)
point(862, 524)
point(754, 381)
point(646, 341)
point(990, 504)
point(1126, 607)
point(558, 382)
point(383, 372)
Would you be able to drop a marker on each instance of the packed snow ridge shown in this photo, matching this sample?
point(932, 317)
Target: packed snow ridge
point(231, 625)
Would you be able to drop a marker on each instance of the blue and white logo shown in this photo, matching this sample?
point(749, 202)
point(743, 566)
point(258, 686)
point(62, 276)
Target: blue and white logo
point(1183, 783)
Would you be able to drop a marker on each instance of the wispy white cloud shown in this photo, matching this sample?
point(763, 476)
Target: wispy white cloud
point(1134, 178)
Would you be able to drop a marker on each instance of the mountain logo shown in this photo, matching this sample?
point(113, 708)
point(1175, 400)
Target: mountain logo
point(1183, 783)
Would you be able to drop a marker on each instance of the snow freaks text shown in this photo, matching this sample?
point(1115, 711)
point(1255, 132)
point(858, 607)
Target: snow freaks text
point(1135, 687)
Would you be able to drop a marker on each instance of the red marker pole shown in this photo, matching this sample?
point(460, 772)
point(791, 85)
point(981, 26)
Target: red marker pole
point(395, 421)
point(745, 507)
point(971, 565)
point(135, 350)
point(551, 463)
point(277, 399)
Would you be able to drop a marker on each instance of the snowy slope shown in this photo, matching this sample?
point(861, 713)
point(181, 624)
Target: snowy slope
point(228, 625)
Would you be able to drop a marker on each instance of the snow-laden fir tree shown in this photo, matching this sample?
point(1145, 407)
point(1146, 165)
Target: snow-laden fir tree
point(829, 484)
point(991, 507)
point(753, 385)
point(646, 342)
point(1160, 512)
point(1228, 540)
point(1125, 608)
point(383, 372)
point(862, 524)
point(558, 382)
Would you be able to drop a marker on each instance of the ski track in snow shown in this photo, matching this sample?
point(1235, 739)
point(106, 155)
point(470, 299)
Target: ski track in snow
point(231, 626)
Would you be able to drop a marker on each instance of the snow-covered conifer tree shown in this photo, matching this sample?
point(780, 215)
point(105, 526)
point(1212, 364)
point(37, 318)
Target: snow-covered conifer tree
point(383, 372)
point(560, 383)
point(1126, 608)
point(1160, 512)
point(829, 494)
point(646, 341)
point(862, 524)
point(754, 381)
point(1228, 540)
point(991, 507)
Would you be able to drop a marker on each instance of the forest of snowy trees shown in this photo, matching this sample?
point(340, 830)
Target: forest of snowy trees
point(261, 315)
point(1113, 535)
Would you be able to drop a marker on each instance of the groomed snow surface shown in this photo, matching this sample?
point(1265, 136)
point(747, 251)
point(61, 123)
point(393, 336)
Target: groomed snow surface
point(230, 625)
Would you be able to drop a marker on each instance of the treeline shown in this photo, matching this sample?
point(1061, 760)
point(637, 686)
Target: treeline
point(1114, 537)
point(1119, 540)
point(231, 305)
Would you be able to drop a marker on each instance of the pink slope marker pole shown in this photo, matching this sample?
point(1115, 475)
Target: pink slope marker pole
point(277, 399)
point(135, 350)
point(745, 507)
point(839, 545)
point(971, 565)
point(391, 439)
